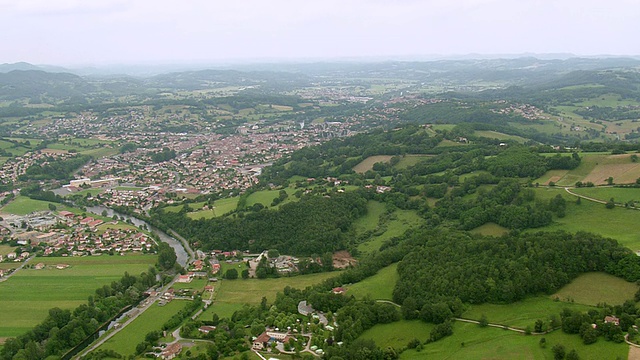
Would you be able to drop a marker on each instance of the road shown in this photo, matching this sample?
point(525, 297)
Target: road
point(4, 278)
point(141, 310)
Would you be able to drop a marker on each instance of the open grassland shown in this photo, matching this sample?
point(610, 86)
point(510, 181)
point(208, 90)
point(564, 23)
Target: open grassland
point(500, 136)
point(491, 229)
point(31, 293)
point(379, 286)
point(619, 223)
point(83, 193)
point(220, 207)
point(23, 205)
point(251, 291)
point(469, 341)
point(620, 195)
point(447, 142)
point(398, 334)
point(396, 225)
point(522, 313)
point(410, 160)
point(608, 100)
point(369, 221)
point(367, 164)
point(152, 319)
point(551, 176)
point(265, 197)
point(597, 288)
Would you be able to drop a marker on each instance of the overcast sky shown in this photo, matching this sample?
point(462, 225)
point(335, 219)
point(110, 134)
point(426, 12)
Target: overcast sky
point(98, 32)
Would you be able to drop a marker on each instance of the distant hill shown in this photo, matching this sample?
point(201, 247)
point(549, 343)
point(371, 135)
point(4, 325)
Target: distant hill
point(24, 66)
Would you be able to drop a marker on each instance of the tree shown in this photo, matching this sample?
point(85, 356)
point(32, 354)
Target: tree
point(573, 355)
point(610, 204)
point(483, 321)
point(245, 274)
point(231, 274)
point(166, 256)
point(52, 207)
point(559, 352)
point(543, 343)
point(610, 180)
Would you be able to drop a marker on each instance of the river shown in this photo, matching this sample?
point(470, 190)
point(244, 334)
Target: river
point(181, 253)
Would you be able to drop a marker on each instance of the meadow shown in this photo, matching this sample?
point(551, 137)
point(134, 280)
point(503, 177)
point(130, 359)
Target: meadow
point(490, 229)
point(620, 195)
point(23, 205)
point(378, 287)
point(469, 341)
point(398, 334)
point(65, 289)
point(596, 288)
point(396, 225)
point(500, 136)
point(231, 295)
point(370, 220)
point(125, 341)
point(596, 168)
point(367, 164)
point(622, 224)
point(220, 207)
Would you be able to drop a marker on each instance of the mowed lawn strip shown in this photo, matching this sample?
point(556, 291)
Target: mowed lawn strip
point(28, 295)
point(152, 319)
point(379, 286)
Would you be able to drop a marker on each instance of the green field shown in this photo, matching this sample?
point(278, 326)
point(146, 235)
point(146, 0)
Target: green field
point(23, 205)
point(66, 288)
point(621, 224)
point(472, 342)
point(265, 197)
point(522, 313)
point(410, 160)
point(378, 286)
point(596, 288)
point(369, 221)
point(221, 207)
point(399, 222)
point(398, 334)
point(500, 136)
point(491, 229)
point(152, 319)
point(620, 195)
point(367, 164)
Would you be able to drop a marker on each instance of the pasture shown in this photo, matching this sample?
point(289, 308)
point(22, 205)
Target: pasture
point(367, 164)
point(621, 224)
point(65, 289)
point(620, 195)
point(410, 160)
point(370, 220)
point(596, 288)
point(152, 319)
point(220, 207)
point(398, 334)
point(522, 313)
point(378, 287)
point(265, 197)
point(469, 341)
point(596, 168)
point(23, 205)
point(395, 225)
point(491, 229)
point(500, 136)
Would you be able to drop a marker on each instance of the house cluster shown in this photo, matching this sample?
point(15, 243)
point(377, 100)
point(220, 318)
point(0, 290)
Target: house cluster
point(18, 165)
point(526, 111)
point(268, 337)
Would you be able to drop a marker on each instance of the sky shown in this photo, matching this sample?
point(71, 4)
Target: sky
point(103, 32)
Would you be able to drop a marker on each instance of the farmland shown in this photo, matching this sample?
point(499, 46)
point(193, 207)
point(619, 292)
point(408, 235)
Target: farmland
point(597, 288)
point(367, 164)
point(596, 168)
point(66, 288)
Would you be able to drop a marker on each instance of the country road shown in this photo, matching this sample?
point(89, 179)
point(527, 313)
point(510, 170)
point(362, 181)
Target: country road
point(4, 278)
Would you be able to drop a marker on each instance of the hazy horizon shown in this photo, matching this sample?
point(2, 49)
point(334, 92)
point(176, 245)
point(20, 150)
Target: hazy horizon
point(120, 32)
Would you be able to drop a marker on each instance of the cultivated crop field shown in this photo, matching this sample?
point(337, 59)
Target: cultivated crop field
point(26, 297)
point(596, 167)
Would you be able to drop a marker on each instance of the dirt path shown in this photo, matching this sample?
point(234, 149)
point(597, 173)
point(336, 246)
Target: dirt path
point(634, 353)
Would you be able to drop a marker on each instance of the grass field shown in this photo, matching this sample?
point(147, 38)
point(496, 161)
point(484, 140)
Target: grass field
point(126, 340)
point(5, 249)
point(379, 286)
point(491, 229)
point(410, 160)
point(522, 313)
point(60, 288)
point(367, 164)
point(500, 136)
point(595, 288)
point(621, 224)
point(472, 342)
point(265, 197)
point(221, 207)
point(369, 221)
point(398, 334)
point(23, 205)
point(620, 195)
point(400, 221)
